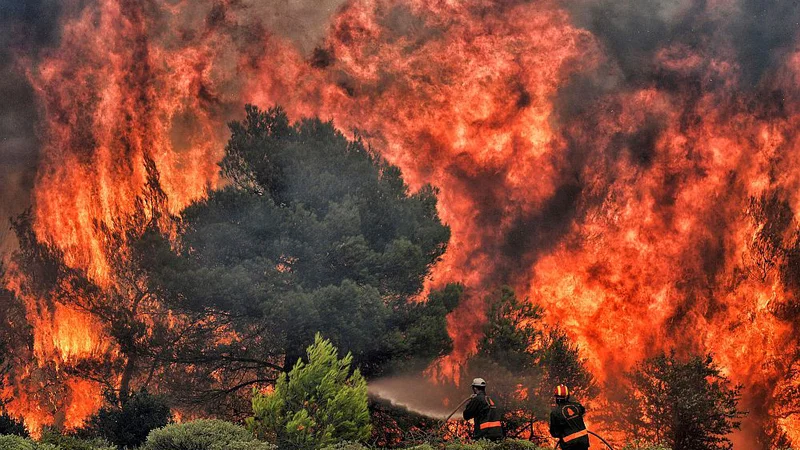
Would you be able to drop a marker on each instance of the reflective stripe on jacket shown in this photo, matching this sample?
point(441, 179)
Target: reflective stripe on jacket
point(486, 416)
point(566, 423)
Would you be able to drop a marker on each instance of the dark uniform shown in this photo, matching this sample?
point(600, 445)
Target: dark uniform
point(566, 423)
point(486, 416)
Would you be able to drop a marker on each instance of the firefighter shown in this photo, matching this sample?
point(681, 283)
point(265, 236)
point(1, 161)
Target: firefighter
point(566, 421)
point(484, 413)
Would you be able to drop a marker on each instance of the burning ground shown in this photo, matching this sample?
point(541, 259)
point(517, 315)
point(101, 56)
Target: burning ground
point(629, 165)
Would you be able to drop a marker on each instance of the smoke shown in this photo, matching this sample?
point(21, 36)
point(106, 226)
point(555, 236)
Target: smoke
point(633, 31)
point(30, 28)
point(304, 22)
point(763, 32)
point(601, 158)
point(419, 394)
point(24, 27)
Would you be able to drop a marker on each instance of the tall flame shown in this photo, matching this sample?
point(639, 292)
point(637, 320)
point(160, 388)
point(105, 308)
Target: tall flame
point(113, 95)
point(629, 206)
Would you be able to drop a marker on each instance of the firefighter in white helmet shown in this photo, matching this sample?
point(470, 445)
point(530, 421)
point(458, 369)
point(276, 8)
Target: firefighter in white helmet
point(484, 413)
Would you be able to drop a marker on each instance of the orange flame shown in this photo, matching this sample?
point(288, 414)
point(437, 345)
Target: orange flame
point(627, 218)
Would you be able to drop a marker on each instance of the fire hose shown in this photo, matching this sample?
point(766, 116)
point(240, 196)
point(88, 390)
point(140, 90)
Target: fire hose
point(455, 411)
point(558, 445)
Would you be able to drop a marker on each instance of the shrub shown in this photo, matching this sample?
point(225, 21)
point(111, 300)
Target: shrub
point(317, 404)
point(9, 425)
point(127, 423)
point(421, 447)
point(641, 446)
point(468, 445)
point(508, 444)
point(13, 442)
point(74, 443)
point(681, 403)
point(517, 444)
point(203, 434)
point(345, 445)
point(252, 445)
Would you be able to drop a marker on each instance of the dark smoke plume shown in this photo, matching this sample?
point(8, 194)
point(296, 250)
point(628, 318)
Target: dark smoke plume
point(634, 30)
point(25, 27)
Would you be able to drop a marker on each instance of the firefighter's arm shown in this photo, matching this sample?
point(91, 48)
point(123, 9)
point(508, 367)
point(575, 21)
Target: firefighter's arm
point(554, 428)
point(582, 409)
point(471, 410)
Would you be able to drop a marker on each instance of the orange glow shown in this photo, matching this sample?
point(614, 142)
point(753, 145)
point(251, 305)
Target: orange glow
point(112, 95)
point(628, 219)
point(657, 250)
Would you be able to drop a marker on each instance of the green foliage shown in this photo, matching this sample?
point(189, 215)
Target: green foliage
point(683, 405)
point(203, 434)
point(511, 331)
point(325, 207)
point(13, 442)
point(316, 404)
point(126, 423)
point(315, 233)
point(643, 446)
point(345, 445)
point(9, 425)
point(420, 332)
point(517, 444)
point(64, 442)
point(507, 444)
point(474, 445)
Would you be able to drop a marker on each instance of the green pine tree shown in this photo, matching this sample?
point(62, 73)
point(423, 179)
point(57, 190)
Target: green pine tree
point(683, 404)
point(316, 404)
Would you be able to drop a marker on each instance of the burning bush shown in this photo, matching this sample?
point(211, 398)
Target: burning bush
point(596, 154)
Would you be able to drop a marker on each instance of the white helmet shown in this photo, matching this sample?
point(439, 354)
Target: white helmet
point(479, 382)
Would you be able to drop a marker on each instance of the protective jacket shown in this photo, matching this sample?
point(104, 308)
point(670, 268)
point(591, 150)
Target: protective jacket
point(486, 416)
point(566, 424)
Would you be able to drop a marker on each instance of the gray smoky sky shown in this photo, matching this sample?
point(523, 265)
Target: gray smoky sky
point(305, 22)
point(25, 27)
point(632, 30)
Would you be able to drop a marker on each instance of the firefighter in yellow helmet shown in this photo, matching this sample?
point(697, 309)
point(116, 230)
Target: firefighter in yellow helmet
point(566, 421)
point(484, 413)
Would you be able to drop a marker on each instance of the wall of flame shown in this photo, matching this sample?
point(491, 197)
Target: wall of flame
point(615, 189)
